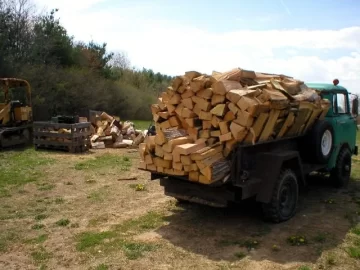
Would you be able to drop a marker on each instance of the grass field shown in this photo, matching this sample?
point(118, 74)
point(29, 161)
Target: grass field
point(63, 211)
point(141, 124)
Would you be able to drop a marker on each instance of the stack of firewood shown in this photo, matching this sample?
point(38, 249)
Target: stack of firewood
point(200, 118)
point(108, 132)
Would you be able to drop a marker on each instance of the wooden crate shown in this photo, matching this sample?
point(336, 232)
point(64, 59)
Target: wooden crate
point(74, 138)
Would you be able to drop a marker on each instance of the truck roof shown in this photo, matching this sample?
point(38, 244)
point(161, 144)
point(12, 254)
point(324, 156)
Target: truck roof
point(325, 86)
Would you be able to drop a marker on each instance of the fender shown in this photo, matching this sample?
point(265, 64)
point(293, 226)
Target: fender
point(268, 167)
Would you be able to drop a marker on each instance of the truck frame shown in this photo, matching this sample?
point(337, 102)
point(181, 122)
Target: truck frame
point(272, 172)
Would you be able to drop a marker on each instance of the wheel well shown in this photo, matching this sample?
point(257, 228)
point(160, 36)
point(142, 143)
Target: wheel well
point(295, 165)
point(344, 145)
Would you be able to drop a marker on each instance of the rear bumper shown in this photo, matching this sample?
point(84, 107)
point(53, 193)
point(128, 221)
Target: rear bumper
point(198, 193)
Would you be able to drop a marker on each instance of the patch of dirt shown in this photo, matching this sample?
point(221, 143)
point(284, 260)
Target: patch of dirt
point(191, 237)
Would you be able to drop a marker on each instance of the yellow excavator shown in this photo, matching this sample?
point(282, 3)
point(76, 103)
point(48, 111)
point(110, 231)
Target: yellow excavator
point(15, 112)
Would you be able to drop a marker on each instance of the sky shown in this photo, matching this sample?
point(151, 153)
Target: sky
point(313, 41)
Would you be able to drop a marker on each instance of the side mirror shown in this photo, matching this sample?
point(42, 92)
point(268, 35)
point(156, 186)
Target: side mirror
point(355, 106)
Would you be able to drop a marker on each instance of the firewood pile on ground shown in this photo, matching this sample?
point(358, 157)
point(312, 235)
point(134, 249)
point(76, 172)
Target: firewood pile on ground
point(109, 132)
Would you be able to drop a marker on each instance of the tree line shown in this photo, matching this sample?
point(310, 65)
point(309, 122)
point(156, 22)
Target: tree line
point(70, 77)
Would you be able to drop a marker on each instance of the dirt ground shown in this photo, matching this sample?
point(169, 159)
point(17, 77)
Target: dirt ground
point(79, 213)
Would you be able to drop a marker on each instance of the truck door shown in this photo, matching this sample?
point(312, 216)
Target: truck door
point(345, 129)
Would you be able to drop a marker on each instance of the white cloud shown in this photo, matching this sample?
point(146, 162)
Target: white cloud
point(175, 47)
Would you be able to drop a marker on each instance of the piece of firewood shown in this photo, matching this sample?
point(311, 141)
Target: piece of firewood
point(206, 152)
point(201, 103)
point(159, 162)
point(217, 99)
point(245, 102)
point(205, 134)
point(244, 119)
point(188, 148)
point(201, 164)
point(155, 108)
point(165, 97)
point(229, 116)
point(186, 160)
point(192, 74)
point(175, 99)
point(215, 133)
point(174, 121)
point(199, 83)
point(205, 116)
point(224, 127)
point(178, 165)
point(168, 156)
point(151, 167)
point(206, 124)
point(235, 95)
point(270, 124)
point(194, 176)
point(170, 91)
point(188, 103)
point(257, 128)
point(239, 132)
point(166, 124)
point(215, 121)
point(159, 137)
point(164, 115)
point(161, 104)
point(150, 142)
point(233, 108)
point(159, 151)
point(224, 86)
point(219, 110)
point(226, 137)
point(148, 159)
point(205, 93)
point(192, 122)
point(217, 171)
point(170, 145)
point(187, 94)
point(179, 109)
point(176, 82)
point(105, 116)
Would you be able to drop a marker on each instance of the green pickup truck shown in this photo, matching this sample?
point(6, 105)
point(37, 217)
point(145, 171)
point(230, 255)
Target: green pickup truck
point(272, 172)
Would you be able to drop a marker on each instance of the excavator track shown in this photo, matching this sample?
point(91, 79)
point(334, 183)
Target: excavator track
point(13, 136)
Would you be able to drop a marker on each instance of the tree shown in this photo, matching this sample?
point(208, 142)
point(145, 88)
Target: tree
point(51, 44)
point(94, 57)
point(15, 33)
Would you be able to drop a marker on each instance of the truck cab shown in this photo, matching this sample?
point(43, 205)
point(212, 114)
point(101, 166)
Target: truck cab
point(340, 140)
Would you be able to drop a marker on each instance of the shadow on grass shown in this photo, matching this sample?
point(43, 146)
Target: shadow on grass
point(220, 234)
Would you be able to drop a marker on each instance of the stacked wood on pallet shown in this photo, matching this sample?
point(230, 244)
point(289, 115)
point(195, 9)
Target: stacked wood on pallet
point(200, 118)
point(55, 130)
point(109, 132)
point(74, 137)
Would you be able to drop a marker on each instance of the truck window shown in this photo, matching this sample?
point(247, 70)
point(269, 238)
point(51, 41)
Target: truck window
point(339, 104)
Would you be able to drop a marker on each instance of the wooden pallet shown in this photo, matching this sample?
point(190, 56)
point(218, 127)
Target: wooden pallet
point(74, 138)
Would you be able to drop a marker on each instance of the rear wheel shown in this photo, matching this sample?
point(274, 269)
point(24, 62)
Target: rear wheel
point(284, 199)
point(340, 175)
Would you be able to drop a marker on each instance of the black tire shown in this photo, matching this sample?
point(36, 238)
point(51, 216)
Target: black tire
point(321, 132)
point(340, 175)
point(286, 187)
